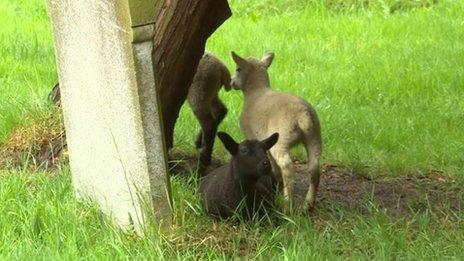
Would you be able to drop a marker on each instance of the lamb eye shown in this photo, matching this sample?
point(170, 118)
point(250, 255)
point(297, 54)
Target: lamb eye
point(244, 150)
point(238, 69)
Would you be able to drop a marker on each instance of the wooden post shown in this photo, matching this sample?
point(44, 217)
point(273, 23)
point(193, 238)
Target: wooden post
point(182, 28)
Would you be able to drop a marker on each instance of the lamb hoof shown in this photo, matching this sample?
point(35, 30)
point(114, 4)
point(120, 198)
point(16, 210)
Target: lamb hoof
point(306, 207)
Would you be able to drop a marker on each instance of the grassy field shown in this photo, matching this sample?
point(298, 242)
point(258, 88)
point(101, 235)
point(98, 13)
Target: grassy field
point(386, 77)
point(389, 89)
point(42, 220)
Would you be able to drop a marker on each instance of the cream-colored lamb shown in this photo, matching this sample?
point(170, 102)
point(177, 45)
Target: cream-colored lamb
point(266, 111)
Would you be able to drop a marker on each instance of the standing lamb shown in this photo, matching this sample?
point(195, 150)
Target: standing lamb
point(205, 103)
point(245, 180)
point(266, 111)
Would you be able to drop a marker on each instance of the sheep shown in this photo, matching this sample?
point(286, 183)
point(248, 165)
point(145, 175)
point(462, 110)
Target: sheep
point(266, 111)
point(204, 101)
point(246, 179)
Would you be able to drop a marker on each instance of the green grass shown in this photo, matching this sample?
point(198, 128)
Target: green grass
point(389, 90)
point(27, 62)
point(42, 219)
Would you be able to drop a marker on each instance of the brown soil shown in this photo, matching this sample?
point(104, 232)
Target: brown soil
point(37, 145)
point(401, 197)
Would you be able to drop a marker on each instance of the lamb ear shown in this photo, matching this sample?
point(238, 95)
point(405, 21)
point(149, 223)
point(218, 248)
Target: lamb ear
point(238, 60)
point(228, 142)
point(271, 141)
point(267, 59)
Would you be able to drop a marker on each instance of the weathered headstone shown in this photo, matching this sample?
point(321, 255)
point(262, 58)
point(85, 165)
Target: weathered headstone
point(110, 107)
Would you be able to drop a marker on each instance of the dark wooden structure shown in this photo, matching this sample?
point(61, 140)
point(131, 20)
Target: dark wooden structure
point(182, 28)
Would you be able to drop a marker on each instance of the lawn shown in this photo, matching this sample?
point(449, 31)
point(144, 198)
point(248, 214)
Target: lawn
point(387, 80)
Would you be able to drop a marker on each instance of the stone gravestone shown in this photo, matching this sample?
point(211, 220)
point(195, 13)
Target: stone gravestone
point(110, 107)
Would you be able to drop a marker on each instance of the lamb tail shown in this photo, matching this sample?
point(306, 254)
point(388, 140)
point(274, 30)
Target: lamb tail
point(311, 129)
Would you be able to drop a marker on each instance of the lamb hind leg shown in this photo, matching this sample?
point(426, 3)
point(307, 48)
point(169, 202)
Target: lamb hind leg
point(313, 150)
point(209, 125)
point(284, 161)
point(205, 139)
point(218, 109)
point(219, 112)
point(310, 199)
point(208, 128)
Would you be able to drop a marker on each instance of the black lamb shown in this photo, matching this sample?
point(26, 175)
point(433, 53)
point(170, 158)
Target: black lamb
point(245, 181)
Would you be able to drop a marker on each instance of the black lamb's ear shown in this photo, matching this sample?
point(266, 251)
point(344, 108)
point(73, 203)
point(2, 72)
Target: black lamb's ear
point(228, 142)
point(270, 141)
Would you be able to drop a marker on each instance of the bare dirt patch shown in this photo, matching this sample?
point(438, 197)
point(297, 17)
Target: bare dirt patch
point(37, 145)
point(400, 197)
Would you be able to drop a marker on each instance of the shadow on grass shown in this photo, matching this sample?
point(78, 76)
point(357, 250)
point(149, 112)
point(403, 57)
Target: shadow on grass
point(340, 189)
